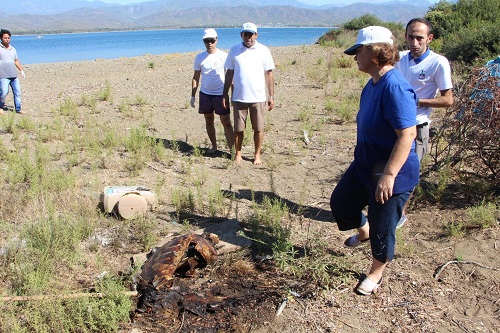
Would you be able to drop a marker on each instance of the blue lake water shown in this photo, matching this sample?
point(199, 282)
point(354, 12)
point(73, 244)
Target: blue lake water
point(110, 45)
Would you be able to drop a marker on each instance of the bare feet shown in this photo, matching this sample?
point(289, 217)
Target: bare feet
point(257, 160)
point(238, 158)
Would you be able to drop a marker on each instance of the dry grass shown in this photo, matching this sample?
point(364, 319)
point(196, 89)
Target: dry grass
point(57, 159)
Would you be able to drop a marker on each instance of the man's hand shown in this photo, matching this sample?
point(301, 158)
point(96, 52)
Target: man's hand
point(23, 75)
point(225, 101)
point(270, 103)
point(193, 99)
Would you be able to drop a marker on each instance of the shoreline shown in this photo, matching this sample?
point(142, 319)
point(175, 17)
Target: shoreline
point(114, 45)
point(38, 33)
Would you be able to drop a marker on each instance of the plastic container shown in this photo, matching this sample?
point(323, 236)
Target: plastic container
point(128, 201)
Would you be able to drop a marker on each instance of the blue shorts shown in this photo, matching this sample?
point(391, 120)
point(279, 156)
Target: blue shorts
point(211, 103)
point(347, 202)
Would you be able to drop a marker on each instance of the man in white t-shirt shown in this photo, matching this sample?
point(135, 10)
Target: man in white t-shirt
point(9, 64)
point(209, 66)
point(249, 68)
point(428, 73)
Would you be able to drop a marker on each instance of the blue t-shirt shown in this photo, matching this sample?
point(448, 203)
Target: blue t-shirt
point(385, 106)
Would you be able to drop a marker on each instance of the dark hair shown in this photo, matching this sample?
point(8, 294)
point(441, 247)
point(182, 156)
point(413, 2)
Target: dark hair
point(420, 20)
point(4, 31)
point(383, 54)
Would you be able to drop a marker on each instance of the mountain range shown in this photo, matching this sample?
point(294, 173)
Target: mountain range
point(55, 16)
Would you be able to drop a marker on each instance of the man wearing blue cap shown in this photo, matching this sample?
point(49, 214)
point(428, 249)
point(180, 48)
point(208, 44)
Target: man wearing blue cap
point(249, 68)
point(209, 66)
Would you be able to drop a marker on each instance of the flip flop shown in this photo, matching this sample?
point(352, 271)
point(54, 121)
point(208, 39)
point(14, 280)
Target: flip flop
point(368, 287)
point(353, 241)
point(401, 221)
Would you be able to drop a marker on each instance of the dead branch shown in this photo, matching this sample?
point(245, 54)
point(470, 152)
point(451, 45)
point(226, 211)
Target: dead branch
point(305, 85)
point(60, 296)
point(438, 272)
point(182, 321)
point(349, 325)
point(156, 168)
point(400, 304)
point(456, 322)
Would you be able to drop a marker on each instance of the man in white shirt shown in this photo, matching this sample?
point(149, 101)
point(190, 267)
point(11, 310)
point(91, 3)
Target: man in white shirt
point(209, 66)
point(249, 67)
point(428, 73)
point(9, 64)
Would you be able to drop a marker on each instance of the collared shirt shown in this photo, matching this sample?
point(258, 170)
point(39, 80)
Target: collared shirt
point(422, 57)
point(427, 74)
point(249, 65)
point(8, 56)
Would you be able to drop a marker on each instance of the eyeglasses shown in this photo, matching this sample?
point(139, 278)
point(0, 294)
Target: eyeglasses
point(247, 34)
point(209, 40)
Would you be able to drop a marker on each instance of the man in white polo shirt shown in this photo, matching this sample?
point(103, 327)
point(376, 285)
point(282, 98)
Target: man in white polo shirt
point(209, 65)
point(249, 68)
point(427, 72)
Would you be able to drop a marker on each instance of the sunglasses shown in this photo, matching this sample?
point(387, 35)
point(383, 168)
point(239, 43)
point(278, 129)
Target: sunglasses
point(209, 40)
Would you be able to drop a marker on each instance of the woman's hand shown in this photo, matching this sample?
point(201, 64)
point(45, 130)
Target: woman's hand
point(398, 157)
point(384, 188)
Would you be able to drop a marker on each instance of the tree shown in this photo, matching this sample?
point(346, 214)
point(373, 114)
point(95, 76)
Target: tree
point(466, 31)
point(362, 22)
point(352, 27)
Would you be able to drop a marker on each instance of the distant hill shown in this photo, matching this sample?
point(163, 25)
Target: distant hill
point(48, 7)
point(54, 16)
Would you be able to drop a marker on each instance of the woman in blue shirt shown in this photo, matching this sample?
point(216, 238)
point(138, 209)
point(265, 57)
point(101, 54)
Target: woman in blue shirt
point(385, 168)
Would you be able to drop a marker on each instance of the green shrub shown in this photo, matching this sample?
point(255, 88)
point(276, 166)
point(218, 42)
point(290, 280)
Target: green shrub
point(484, 215)
point(83, 314)
point(362, 22)
point(454, 228)
point(184, 201)
point(344, 62)
point(104, 94)
point(329, 105)
point(476, 42)
point(468, 29)
point(68, 107)
point(346, 36)
point(347, 110)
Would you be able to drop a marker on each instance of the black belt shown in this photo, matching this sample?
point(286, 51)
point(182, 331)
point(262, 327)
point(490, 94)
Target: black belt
point(422, 125)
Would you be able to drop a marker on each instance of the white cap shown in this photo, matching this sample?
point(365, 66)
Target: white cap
point(371, 35)
point(209, 33)
point(249, 27)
